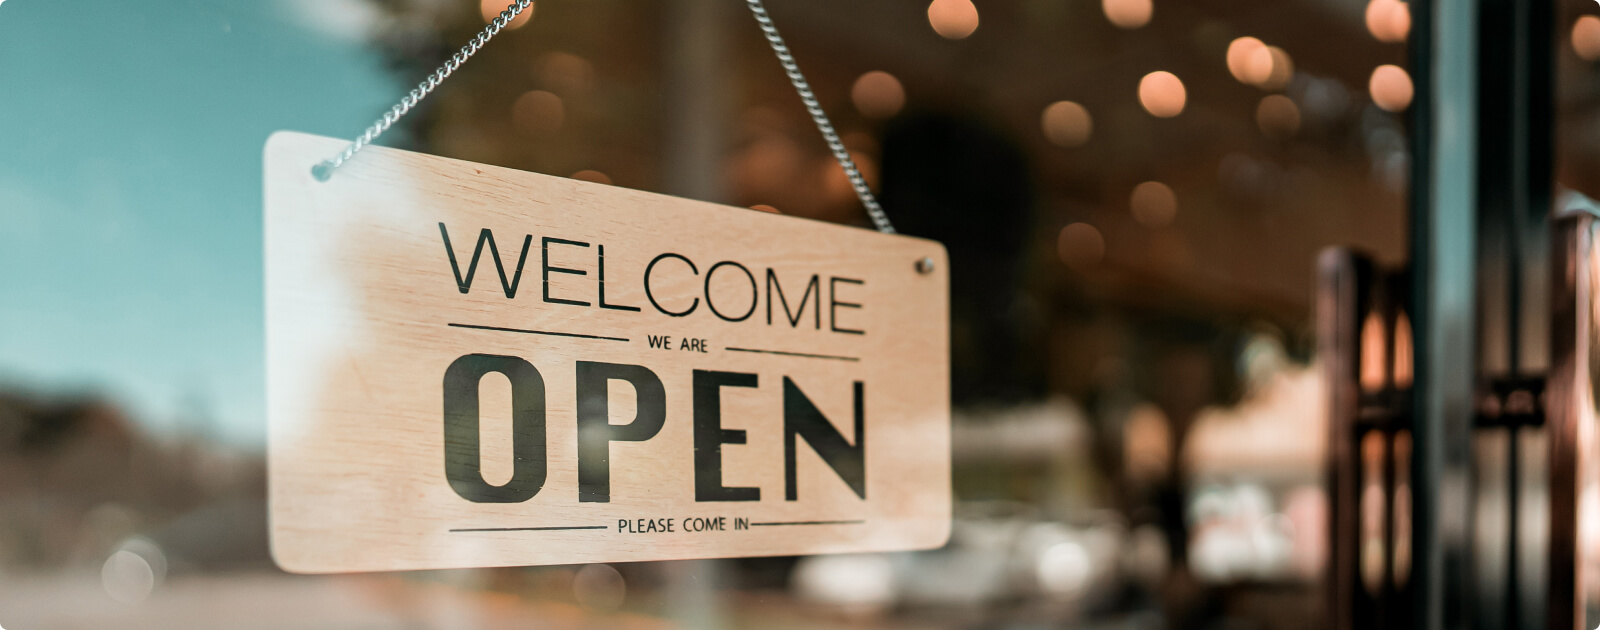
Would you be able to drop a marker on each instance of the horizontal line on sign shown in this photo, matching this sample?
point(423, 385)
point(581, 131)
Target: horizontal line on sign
point(807, 523)
point(795, 354)
point(529, 529)
point(537, 332)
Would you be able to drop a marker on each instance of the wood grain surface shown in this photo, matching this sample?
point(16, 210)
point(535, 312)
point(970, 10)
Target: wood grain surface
point(366, 314)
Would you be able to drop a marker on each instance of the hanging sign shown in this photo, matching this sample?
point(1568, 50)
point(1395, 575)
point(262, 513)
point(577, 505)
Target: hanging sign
point(472, 366)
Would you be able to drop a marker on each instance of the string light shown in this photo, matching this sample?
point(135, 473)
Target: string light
point(1586, 37)
point(1388, 20)
point(1162, 94)
point(1066, 124)
point(538, 113)
point(1240, 53)
point(592, 176)
point(1080, 246)
point(491, 9)
point(1278, 116)
point(1153, 204)
point(878, 94)
point(1129, 14)
point(1390, 87)
point(953, 19)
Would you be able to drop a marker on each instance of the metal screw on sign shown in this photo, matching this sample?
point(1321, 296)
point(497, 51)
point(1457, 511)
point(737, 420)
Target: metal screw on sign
point(925, 266)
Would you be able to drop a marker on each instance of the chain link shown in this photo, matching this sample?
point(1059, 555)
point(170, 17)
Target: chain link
point(814, 107)
point(324, 170)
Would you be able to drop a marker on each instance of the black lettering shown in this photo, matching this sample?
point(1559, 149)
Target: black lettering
point(802, 418)
point(663, 342)
point(544, 244)
point(709, 436)
point(834, 304)
point(794, 318)
point(595, 431)
point(651, 296)
point(602, 274)
point(754, 293)
point(463, 463)
point(464, 284)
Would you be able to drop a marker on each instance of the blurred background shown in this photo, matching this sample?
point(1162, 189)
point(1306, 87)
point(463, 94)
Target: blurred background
point(1133, 193)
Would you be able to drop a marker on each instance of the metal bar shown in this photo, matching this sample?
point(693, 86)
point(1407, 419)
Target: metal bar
point(1566, 391)
point(1443, 139)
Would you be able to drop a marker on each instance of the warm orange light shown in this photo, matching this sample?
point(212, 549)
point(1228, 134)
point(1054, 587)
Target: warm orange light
point(1128, 13)
point(1162, 94)
point(537, 113)
point(1066, 124)
point(566, 73)
point(593, 176)
point(1240, 53)
point(1153, 204)
point(765, 208)
point(1269, 68)
point(1388, 20)
point(1403, 357)
point(1373, 353)
point(1080, 246)
point(878, 94)
point(953, 19)
point(1390, 87)
point(1586, 37)
point(491, 9)
point(836, 183)
point(1278, 116)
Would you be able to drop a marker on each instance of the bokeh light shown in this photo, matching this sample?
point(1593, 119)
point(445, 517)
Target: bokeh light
point(1067, 124)
point(599, 587)
point(953, 19)
point(1153, 204)
point(537, 113)
point(1388, 20)
point(1586, 37)
point(1162, 94)
point(593, 176)
point(1080, 246)
point(1390, 87)
point(836, 184)
point(491, 9)
point(1278, 116)
point(765, 208)
point(1128, 13)
point(1240, 53)
point(1270, 68)
point(877, 94)
point(127, 577)
point(566, 73)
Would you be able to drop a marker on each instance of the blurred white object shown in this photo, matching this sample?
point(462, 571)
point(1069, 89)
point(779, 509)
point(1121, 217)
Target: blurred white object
point(1277, 431)
point(1064, 569)
point(1236, 534)
point(599, 587)
point(998, 551)
point(855, 581)
point(127, 577)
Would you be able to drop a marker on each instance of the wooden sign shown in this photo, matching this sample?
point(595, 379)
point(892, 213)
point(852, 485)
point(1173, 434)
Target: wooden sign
point(472, 366)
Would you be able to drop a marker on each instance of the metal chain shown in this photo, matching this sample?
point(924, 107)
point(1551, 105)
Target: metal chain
point(813, 107)
point(325, 169)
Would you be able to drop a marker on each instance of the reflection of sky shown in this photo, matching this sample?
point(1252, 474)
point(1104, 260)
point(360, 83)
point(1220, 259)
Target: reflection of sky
point(130, 189)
